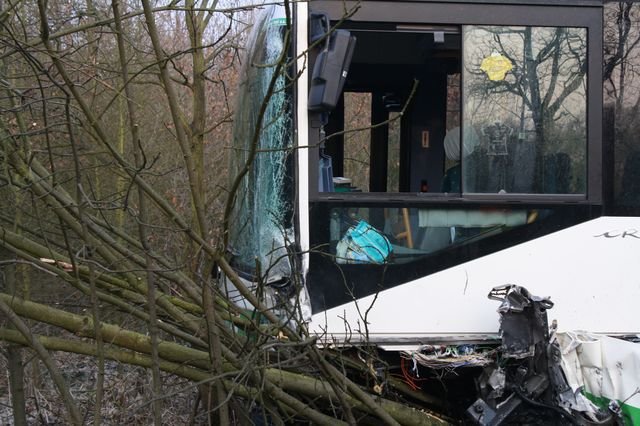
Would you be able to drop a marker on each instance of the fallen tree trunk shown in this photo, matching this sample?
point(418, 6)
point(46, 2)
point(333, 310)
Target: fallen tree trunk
point(135, 348)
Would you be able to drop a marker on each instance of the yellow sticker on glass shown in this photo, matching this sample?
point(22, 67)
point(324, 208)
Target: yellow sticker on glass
point(496, 66)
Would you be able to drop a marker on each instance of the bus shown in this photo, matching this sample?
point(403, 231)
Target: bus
point(394, 163)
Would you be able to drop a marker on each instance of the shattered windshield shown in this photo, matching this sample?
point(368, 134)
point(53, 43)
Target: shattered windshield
point(260, 222)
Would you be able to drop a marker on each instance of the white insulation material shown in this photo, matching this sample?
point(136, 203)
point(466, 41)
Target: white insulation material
point(606, 368)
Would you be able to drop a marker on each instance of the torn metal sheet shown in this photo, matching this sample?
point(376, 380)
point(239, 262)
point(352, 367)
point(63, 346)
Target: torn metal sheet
point(607, 369)
point(527, 372)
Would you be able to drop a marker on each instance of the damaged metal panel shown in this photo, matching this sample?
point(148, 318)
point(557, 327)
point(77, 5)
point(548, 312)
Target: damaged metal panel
point(526, 376)
point(606, 368)
point(523, 320)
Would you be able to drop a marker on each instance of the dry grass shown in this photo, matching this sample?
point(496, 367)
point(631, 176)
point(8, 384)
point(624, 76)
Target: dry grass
point(127, 393)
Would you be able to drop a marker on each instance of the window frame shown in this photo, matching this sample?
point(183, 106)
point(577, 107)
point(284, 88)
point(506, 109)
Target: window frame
point(584, 14)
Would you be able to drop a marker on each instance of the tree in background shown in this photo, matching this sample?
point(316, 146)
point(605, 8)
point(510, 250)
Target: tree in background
point(114, 128)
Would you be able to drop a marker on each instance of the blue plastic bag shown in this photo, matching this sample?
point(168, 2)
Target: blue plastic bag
point(363, 244)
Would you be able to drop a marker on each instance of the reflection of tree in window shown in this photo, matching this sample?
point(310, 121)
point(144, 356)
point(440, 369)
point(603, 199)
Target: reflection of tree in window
point(622, 97)
point(393, 153)
point(357, 115)
point(453, 111)
point(542, 97)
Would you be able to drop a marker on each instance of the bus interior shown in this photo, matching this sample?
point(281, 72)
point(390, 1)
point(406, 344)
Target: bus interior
point(447, 142)
point(416, 74)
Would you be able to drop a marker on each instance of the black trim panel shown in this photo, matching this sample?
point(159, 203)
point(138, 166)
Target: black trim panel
point(331, 284)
